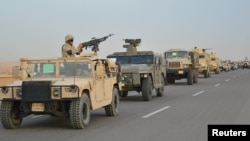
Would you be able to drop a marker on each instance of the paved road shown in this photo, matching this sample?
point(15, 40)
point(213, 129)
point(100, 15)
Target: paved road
point(181, 115)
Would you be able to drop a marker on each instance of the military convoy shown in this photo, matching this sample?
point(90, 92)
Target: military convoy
point(72, 87)
point(140, 71)
point(65, 87)
point(181, 64)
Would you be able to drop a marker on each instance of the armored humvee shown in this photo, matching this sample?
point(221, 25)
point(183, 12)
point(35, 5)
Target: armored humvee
point(66, 87)
point(140, 71)
point(214, 63)
point(181, 64)
point(204, 61)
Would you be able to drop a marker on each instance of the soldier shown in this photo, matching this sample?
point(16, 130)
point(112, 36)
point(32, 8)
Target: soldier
point(68, 49)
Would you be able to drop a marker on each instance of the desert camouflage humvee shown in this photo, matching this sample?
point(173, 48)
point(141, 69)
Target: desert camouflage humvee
point(66, 87)
point(140, 71)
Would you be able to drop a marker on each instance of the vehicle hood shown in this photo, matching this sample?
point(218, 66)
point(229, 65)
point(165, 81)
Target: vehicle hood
point(136, 68)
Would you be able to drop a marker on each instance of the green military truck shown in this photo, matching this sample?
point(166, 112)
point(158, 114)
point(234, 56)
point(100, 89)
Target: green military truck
point(140, 71)
point(181, 64)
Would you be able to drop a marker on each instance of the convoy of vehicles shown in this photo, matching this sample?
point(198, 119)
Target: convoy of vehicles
point(72, 87)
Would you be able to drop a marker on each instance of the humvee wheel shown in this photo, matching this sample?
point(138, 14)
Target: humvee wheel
point(123, 93)
point(147, 89)
point(170, 80)
point(206, 74)
point(190, 77)
point(79, 112)
point(195, 76)
point(160, 91)
point(9, 115)
point(112, 108)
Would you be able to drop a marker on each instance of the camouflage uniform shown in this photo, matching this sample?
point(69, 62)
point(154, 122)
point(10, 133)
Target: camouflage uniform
point(68, 49)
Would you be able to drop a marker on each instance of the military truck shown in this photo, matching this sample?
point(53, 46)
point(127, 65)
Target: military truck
point(225, 65)
point(245, 64)
point(214, 63)
point(204, 61)
point(181, 64)
point(140, 71)
point(65, 87)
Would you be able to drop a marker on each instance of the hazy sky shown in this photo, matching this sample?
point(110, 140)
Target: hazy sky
point(36, 29)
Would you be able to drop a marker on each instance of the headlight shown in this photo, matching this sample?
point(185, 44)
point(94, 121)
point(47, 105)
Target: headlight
point(19, 92)
point(57, 92)
point(122, 78)
point(5, 90)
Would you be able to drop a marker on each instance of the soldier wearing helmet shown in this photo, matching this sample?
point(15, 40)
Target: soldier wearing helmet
point(68, 49)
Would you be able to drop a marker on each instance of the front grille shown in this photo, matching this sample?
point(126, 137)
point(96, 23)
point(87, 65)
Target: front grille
point(174, 65)
point(36, 91)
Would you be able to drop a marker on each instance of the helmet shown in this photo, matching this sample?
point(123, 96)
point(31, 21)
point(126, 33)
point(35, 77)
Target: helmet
point(68, 37)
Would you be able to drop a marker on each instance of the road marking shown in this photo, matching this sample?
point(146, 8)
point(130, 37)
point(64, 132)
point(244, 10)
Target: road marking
point(216, 85)
point(200, 92)
point(155, 112)
point(37, 116)
point(227, 80)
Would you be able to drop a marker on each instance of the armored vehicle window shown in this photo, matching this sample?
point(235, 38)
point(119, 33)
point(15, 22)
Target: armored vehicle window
point(142, 59)
point(213, 59)
point(43, 69)
point(201, 56)
point(176, 54)
point(70, 69)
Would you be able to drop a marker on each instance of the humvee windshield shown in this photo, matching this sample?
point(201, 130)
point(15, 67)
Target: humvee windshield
point(213, 59)
point(176, 54)
point(67, 69)
point(139, 59)
point(201, 56)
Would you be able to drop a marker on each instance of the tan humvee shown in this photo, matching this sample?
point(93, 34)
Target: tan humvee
point(67, 87)
point(214, 63)
point(204, 61)
point(181, 64)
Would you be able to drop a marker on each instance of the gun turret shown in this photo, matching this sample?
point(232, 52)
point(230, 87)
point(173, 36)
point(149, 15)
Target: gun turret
point(94, 43)
point(131, 45)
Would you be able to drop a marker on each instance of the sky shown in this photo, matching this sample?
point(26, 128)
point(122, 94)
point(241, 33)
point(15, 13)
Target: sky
point(36, 29)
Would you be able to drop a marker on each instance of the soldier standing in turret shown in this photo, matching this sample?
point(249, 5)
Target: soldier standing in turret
point(68, 49)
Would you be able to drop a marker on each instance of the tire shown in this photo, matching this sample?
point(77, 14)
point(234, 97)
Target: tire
point(123, 93)
point(190, 77)
point(79, 112)
point(195, 76)
point(9, 115)
point(205, 74)
point(160, 91)
point(170, 80)
point(112, 108)
point(147, 89)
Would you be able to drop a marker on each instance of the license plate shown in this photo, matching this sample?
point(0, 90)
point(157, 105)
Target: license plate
point(180, 72)
point(38, 107)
